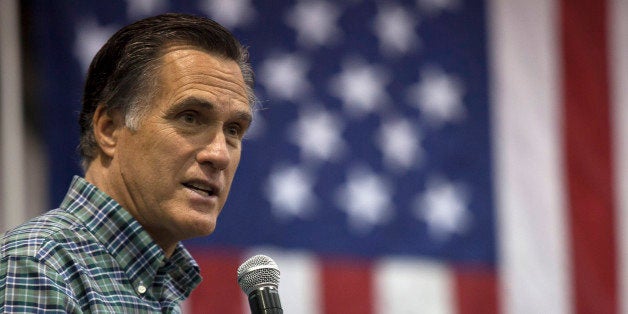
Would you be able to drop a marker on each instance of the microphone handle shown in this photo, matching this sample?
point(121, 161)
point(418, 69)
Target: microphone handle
point(265, 300)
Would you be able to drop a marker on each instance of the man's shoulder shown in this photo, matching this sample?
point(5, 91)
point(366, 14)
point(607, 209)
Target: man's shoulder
point(54, 227)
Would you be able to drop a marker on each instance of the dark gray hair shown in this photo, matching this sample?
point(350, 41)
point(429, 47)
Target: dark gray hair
point(123, 74)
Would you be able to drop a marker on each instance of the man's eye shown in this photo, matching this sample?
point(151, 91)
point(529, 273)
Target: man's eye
point(188, 117)
point(237, 129)
point(234, 130)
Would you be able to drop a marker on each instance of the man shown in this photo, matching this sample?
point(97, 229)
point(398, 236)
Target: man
point(166, 103)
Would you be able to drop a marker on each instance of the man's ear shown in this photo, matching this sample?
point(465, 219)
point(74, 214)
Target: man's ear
point(107, 127)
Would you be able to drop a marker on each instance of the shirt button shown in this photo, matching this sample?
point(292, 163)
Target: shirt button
point(141, 289)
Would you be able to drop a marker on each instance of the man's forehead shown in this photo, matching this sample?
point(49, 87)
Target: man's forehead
point(183, 67)
point(192, 54)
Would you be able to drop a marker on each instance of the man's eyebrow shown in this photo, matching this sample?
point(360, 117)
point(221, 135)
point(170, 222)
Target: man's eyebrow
point(244, 115)
point(192, 101)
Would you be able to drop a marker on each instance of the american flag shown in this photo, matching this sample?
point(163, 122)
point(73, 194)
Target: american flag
point(407, 156)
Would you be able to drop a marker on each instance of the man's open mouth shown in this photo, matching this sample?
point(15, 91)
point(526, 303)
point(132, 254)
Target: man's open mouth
point(200, 188)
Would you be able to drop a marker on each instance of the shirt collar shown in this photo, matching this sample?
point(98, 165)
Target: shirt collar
point(126, 240)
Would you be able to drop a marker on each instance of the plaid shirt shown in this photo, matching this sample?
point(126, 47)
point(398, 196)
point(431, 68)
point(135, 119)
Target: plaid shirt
point(90, 255)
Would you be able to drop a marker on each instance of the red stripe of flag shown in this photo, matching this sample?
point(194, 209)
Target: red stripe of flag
point(476, 291)
point(218, 292)
point(346, 287)
point(588, 155)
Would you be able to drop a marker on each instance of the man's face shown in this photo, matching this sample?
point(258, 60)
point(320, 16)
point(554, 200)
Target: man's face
point(177, 166)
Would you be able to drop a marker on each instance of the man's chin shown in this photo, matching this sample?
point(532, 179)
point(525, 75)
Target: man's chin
point(202, 227)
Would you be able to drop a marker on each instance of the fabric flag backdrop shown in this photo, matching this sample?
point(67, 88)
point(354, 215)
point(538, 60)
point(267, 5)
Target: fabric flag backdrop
point(428, 156)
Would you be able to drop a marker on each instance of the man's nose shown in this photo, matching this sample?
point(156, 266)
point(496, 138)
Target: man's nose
point(215, 152)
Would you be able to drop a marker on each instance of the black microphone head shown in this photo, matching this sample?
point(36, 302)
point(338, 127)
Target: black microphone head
point(258, 271)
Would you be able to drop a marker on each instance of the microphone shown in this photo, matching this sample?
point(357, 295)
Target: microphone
point(258, 277)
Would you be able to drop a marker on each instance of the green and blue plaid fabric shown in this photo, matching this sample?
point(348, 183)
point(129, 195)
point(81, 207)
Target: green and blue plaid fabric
point(90, 256)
